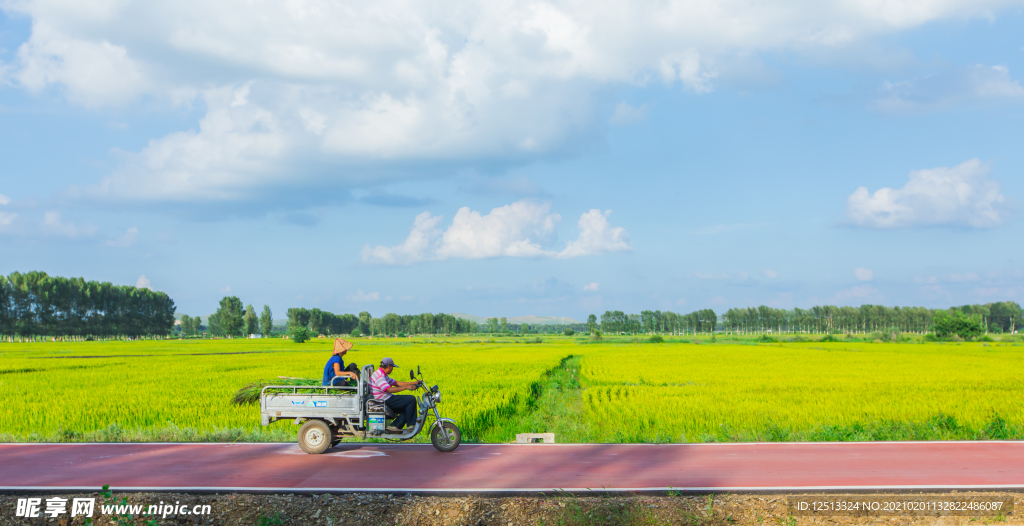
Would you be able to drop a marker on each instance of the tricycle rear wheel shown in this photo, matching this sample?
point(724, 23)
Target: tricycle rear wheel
point(314, 437)
point(454, 437)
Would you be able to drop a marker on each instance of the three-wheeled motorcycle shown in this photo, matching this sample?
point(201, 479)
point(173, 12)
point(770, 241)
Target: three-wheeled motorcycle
point(328, 414)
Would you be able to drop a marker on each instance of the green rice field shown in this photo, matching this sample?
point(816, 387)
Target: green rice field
point(616, 390)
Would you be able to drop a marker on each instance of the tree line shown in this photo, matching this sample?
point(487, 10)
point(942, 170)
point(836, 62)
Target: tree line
point(391, 324)
point(650, 322)
point(36, 305)
point(995, 317)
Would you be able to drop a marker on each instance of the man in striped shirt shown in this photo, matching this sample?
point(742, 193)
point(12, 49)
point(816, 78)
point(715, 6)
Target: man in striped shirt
point(384, 389)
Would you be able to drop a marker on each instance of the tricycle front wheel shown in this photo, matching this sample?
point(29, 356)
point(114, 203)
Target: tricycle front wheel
point(454, 437)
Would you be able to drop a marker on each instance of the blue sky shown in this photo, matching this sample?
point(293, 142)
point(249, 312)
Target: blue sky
point(517, 159)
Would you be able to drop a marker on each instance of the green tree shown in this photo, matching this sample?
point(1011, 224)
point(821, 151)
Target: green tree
point(250, 321)
point(364, 322)
point(230, 315)
point(186, 325)
point(266, 321)
point(592, 323)
point(504, 324)
point(967, 326)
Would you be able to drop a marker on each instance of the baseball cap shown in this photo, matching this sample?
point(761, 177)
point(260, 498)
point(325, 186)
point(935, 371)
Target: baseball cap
point(387, 362)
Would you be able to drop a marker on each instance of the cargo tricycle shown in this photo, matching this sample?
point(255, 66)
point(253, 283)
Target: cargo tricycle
point(328, 414)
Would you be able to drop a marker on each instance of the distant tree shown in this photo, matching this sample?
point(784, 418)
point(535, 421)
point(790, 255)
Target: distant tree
point(266, 321)
point(316, 321)
point(299, 334)
point(966, 326)
point(568, 332)
point(250, 321)
point(591, 323)
point(186, 325)
point(364, 322)
point(229, 315)
point(213, 325)
point(504, 324)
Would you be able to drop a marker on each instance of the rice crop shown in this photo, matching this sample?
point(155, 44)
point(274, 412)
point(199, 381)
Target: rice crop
point(809, 391)
point(623, 390)
point(166, 390)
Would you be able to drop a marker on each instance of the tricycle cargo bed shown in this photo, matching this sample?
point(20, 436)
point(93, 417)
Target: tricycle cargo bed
point(290, 402)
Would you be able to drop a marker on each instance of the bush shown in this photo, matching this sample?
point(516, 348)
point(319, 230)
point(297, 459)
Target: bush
point(764, 338)
point(568, 332)
point(958, 324)
point(299, 334)
point(656, 339)
point(355, 333)
point(403, 335)
point(597, 335)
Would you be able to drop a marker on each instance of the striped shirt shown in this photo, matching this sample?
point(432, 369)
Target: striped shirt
point(379, 384)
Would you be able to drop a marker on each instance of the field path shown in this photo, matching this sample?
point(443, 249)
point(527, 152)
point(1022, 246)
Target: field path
point(507, 467)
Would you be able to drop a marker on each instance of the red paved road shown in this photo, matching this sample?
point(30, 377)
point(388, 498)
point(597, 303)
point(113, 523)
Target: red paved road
point(414, 467)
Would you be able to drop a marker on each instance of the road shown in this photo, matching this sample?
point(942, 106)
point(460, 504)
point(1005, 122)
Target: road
point(516, 468)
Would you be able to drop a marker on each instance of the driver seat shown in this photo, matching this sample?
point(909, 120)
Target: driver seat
point(367, 394)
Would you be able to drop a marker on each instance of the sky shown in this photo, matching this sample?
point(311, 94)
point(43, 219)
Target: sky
point(517, 158)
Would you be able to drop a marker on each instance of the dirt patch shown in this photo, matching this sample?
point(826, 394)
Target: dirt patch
point(373, 509)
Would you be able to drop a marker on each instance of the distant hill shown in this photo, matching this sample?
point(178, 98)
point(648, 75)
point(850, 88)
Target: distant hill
point(532, 320)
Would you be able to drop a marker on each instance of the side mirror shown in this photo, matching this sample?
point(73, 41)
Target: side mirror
point(411, 375)
point(418, 370)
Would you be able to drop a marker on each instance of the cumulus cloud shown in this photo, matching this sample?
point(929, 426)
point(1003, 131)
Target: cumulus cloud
point(863, 274)
point(770, 274)
point(592, 287)
point(597, 236)
point(4, 200)
point(129, 238)
point(975, 83)
point(143, 282)
point(55, 226)
point(521, 229)
point(298, 92)
point(962, 195)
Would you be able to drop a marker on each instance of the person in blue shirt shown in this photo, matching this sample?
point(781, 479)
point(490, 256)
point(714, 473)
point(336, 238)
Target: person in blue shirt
point(336, 368)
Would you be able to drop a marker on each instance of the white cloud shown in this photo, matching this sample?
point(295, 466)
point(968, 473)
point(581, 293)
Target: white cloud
point(337, 85)
point(6, 218)
point(364, 296)
point(4, 200)
point(770, 274)
point(592, 287)
point(511, 230)
point(53, 225)
point(963, 195)
point(967, 276)
point(597, 236)
point(975, 83)
point(716, 275)
point(863, 274)
point(516, 230)
point(129, 238)
point(143, 282)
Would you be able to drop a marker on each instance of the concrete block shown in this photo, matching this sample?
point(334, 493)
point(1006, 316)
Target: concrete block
point(533, 438)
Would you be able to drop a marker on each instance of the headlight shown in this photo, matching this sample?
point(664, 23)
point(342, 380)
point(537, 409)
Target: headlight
point(437, 398)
